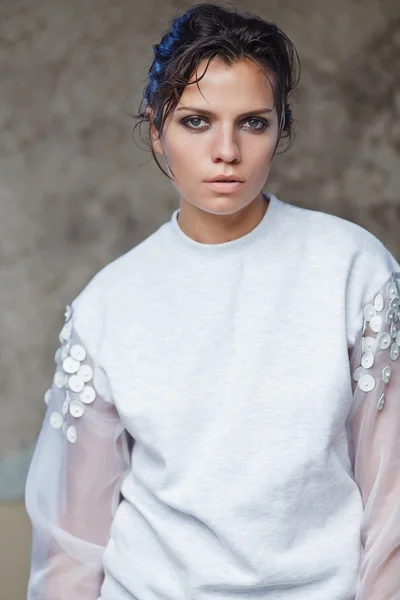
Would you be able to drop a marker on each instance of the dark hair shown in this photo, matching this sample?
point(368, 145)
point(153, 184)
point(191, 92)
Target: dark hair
point(209, 31)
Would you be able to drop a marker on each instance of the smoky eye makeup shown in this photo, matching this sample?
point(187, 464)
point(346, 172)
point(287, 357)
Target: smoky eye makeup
point(261, 123)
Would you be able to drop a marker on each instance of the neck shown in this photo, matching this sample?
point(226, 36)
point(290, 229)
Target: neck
point(208, 228)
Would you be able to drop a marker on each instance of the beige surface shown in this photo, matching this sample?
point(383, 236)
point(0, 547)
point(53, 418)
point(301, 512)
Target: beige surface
point(15, 546)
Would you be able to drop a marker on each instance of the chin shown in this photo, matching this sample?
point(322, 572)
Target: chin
point(222, 205)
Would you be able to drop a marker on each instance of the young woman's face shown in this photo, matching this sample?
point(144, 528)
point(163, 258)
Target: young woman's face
point(228, 127)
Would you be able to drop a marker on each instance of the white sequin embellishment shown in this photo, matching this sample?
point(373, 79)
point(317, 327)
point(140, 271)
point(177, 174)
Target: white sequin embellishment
point(71, 376)
point(65, 333)
point(366, 383)
point(47, 397)
point(65, 351)
point(376, 323)
point(71, 434)
point(367, 360)
point(56, 420)
point(394, 352)
point(386, 372)
point(88, 395)
point(76, 408)
point(384, 341)
point(65, 406)
point(379, 303)
point(86, 373)
point(368, 343)
point(59, 379)
point(70, 365)
point(390, 316)
point(392, 289)
point(369, 312)
point(76, 383)
point(78, 352)
point(357, 373)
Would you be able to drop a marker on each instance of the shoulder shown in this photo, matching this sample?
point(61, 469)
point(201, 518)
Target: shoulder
point(352, 258)
point(342, 242)
point(116, 280)
point(332, 231)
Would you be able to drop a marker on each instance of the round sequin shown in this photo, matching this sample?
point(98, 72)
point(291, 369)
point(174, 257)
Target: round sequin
point(88, 395)
point(78, 352)
point(392, 289)
point(86, 372)
point(390, 316)
point(70, 365)
point(386, 372)
point(65, 332)
point(65, 406)
point(366, 382)
point(71, 434)
point(65, 351)
point(384, 341)
point(393, 330)
point(76, 408)
point(364, 326)
point(369, 312)
point(381, 402)
point(376, 323)
point(357, 373)
point(56, 420)
point(367, 360)
point(47, 397)
point(394, 352)
point(59, 379)
point(379, 302)
point(398, 338)
point(368, 343)
point(75, 383)
point(394, 303)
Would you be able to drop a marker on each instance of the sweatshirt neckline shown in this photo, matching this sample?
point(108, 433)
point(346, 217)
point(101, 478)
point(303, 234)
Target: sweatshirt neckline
point(241, 243)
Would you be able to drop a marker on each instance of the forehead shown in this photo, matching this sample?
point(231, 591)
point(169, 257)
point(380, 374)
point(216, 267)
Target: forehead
point(240, 85)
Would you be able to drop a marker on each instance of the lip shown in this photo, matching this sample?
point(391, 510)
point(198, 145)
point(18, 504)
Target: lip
point(224, 186)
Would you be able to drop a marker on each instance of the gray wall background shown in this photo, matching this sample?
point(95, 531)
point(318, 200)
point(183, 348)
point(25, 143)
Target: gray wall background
point(75, 191)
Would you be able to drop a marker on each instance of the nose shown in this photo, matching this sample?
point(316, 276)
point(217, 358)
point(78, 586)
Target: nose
point(225, 146)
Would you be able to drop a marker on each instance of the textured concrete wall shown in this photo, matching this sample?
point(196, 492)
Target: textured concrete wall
point(76, 192)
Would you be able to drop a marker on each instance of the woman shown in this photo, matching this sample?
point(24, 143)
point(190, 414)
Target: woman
point(224, 417)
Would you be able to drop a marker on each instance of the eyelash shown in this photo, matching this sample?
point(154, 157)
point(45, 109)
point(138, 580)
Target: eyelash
point(186, 120)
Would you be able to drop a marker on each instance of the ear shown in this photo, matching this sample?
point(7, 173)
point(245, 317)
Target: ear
point(155, 141)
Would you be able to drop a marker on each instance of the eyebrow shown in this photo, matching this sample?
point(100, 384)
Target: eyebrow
point(204, 111)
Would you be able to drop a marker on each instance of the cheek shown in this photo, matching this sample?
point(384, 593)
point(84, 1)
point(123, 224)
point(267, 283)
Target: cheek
point(181, 149)
point(258, 154)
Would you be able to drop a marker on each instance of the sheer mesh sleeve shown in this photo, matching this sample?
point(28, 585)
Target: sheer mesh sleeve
point(73, 485)
point(374, 431)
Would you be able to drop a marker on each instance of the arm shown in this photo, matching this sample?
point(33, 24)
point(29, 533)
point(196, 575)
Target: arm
point(73, 484)
point(374, 432)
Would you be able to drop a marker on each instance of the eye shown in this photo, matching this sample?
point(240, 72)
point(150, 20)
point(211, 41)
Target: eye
point(263, 122)
point(187, 120)
point(194, 122)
